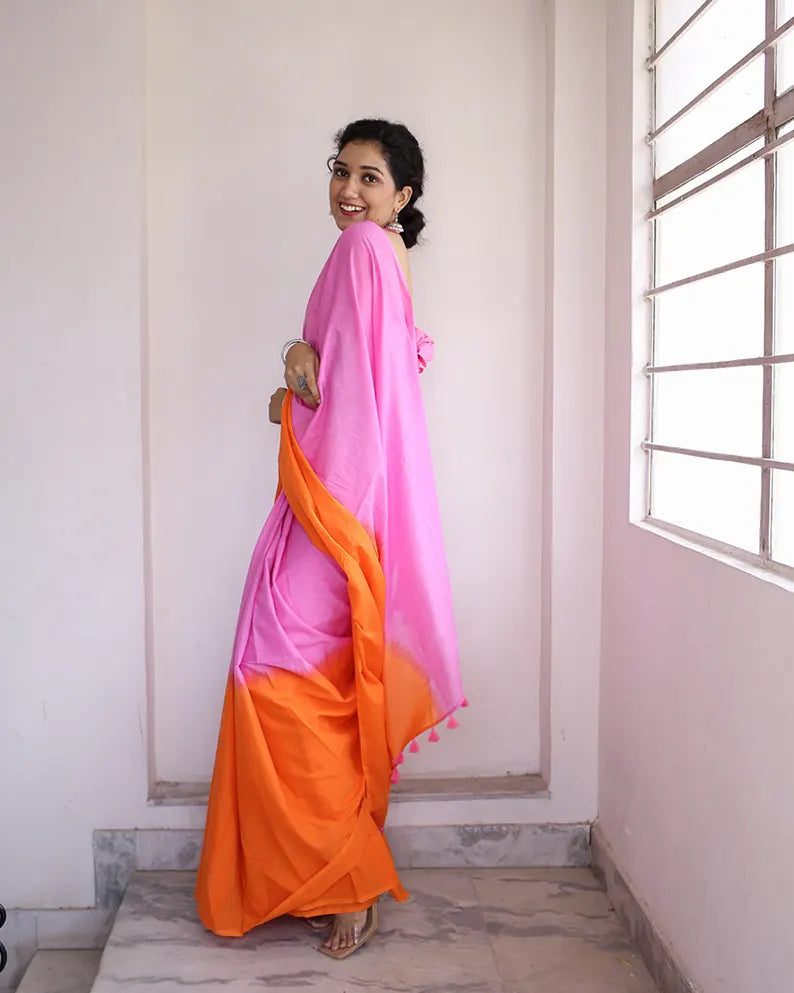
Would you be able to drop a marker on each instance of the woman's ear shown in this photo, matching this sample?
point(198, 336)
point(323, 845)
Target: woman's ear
point(404, 196)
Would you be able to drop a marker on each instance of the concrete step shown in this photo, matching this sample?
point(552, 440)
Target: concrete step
point(72, 971)
point(474, 930)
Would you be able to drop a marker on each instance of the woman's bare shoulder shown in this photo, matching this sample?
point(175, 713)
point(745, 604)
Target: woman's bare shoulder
point(397, 243)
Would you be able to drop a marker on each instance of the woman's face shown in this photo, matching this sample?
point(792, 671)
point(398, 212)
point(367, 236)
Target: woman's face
point(362, 188)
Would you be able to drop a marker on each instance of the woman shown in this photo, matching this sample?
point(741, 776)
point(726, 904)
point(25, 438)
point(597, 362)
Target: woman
point(345, 648)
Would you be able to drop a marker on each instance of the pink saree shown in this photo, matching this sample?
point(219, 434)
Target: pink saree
point(345, 649)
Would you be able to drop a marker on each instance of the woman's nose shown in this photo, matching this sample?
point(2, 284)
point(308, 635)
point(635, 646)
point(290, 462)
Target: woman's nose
point(350, 188)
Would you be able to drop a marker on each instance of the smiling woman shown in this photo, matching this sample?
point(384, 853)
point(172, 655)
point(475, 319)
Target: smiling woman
point(345, 649)
point(377, 174)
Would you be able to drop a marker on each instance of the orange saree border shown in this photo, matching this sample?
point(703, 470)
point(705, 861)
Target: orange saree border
point(334, 530)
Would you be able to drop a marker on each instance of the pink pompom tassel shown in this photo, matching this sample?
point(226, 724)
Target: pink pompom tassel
point(400, 759)
point(395, 777)
point(465, 702)
point(433, 736)
point(452, 724)
point(414, 748)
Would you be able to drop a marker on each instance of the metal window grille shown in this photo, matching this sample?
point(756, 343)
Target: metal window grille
point(757, 141)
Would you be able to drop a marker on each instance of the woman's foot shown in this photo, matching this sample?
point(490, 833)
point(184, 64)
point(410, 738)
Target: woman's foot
point(350, 931)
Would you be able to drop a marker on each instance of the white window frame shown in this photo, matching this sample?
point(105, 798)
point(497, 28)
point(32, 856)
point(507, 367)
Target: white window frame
point(778, 110)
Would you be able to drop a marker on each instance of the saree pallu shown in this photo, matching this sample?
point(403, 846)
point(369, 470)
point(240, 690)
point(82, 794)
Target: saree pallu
point(345, 648)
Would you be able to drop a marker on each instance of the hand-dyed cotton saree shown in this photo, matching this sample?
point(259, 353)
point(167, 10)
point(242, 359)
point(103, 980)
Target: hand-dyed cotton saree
point(345, 648)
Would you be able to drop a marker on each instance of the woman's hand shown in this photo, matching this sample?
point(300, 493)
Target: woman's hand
point(276, 401)
point(302, 360)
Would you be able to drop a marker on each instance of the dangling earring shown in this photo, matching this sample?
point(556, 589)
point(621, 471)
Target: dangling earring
point(395, 225)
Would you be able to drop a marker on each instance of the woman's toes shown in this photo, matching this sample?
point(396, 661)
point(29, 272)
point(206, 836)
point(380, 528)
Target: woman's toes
point(346, 931)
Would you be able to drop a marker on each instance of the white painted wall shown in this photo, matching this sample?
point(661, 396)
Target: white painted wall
point(697, 681)
point(73, 282)
point(243, 100)
point(72, 733)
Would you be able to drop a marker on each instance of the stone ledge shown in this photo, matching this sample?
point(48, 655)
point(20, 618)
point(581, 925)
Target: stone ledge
point(410, 789)
point(120, 853)
point(117, 854)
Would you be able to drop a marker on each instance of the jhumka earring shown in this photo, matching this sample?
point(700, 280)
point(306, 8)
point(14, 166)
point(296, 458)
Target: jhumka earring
point(395, 225)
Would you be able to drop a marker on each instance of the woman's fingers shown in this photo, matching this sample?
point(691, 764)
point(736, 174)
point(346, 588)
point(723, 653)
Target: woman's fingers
point(300, 373)
point(312, 371)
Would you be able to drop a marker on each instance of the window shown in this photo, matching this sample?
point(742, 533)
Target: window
point(720, 444)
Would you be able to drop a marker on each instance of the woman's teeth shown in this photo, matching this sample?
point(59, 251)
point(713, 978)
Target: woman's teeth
point(350, 209)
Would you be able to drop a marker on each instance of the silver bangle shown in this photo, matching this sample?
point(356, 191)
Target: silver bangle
point(286, 348)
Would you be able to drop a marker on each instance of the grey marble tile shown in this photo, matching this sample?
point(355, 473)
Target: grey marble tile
point(490, 845)
point(435, 943)
point(114, 863)
point(553, 930)
point(508, 930)
point(168, 849)
point(61, 972)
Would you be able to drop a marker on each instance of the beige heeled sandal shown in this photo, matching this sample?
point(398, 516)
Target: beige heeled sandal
point(369, 928)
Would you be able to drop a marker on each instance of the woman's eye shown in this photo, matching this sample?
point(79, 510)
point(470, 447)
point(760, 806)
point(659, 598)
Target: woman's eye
point(370, 176)
point(340, 172)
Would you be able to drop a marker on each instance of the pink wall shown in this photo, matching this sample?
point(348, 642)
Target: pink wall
point(697, 672)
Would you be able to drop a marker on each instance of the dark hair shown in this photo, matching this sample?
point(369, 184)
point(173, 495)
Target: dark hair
point(405, 160)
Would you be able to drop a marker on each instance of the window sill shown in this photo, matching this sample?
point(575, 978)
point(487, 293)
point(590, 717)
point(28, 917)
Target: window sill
point(772, 572)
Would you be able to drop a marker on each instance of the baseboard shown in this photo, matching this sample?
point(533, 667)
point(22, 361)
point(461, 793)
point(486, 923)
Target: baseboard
point(117, 854)
point(651, 944)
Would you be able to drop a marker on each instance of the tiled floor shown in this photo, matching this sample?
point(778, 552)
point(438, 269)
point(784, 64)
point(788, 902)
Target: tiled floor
point(61, 972)
point(463, 931)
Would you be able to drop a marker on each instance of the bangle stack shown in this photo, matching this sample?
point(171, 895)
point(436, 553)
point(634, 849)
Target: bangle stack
point(286, 348)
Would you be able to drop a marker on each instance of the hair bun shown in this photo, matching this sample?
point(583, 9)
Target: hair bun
point(413, 221)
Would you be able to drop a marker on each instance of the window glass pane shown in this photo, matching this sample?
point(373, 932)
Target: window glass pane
point(717, 499)
point(722, 224)
point(785, 194)
point(670, 15)
point(785, 63)
point(753, 146)
point(784, 295)
point(715, 42)
point(784, 412)
point(783, 516)
point(728, 106)
point(716, 410)
point(785, 48)
point(714, 319)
